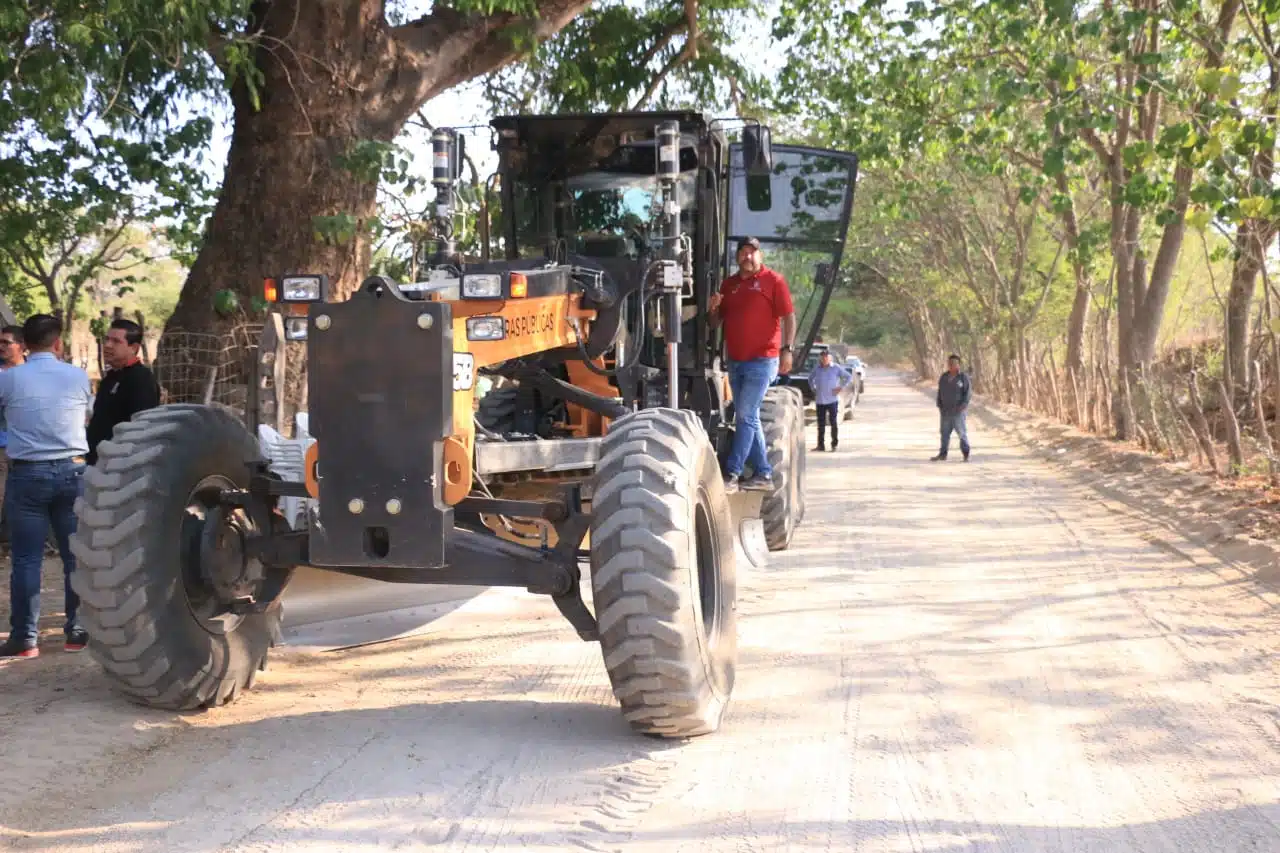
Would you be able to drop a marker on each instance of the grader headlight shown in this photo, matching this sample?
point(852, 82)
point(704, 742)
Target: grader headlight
point(295, 328)
point(482, 286)
point(486, 329)
point(303, 288)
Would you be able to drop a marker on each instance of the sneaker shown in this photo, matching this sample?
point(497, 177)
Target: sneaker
point(941, 457)
point(76, 640)
point(819, 449)
point(20, 649)
point(757, 483)
point(731, 484)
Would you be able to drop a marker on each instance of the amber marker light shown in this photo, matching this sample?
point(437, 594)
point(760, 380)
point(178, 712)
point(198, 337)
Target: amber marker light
point(519, 285)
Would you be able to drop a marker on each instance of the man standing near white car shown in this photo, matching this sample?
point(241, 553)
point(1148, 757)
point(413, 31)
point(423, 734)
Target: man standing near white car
point(827, 380)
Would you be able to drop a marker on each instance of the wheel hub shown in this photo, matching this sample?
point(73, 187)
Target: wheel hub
point(224, 563)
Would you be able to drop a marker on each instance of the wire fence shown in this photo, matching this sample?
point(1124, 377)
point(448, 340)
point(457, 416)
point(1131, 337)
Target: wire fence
point(208, 368)
point(1181, 414)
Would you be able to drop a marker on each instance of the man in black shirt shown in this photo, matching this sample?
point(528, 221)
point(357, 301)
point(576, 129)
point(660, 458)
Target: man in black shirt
point(128, 388)
point(954, 391)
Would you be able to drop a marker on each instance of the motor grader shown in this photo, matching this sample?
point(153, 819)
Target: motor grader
point(600, 444)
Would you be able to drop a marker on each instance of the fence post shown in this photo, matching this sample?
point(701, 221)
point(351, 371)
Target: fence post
point(141, 320)
point(1106, 402)
point(1077, 411)
point(1158, 431)
point(1201, 426)
point(1059, 411)
point(1264, 435)
point(1234, 446)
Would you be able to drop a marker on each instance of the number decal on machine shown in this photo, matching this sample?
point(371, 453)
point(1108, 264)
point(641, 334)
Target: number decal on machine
point(464, 371)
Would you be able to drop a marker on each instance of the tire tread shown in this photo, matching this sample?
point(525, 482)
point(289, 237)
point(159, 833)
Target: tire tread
point(125, 584)
point(648, 474)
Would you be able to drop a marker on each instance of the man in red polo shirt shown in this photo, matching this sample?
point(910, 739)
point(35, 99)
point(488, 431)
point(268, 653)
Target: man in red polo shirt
point(759, 330)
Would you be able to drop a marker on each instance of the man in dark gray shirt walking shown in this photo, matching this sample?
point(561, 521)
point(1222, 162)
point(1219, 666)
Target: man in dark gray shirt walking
point(954, 390)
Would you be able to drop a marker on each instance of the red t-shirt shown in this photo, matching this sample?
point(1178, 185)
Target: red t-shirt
point(750, 309)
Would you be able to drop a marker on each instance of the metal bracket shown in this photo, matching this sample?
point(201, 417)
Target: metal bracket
point(553, 511)
point(570, 534)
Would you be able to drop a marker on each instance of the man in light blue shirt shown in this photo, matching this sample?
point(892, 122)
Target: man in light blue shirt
point(45, 404)
point(826, 381)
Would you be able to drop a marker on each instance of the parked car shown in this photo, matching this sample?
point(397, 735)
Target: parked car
point(860, 370)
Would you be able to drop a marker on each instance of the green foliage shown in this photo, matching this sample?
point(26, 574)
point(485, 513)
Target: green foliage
point(91, 147)
point(627, 55)
point(66, 215)
point(1000, 141)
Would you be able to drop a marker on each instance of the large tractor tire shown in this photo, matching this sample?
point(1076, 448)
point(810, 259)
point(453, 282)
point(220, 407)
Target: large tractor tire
point(663, 574)
point(159, 625)
point(497, 409)
point(782, 417)
point(800, 452)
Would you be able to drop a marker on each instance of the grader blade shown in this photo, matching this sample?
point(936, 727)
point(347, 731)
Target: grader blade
point(749, 545)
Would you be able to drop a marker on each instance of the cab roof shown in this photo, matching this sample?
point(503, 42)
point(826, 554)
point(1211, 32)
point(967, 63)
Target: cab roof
point(585, 126)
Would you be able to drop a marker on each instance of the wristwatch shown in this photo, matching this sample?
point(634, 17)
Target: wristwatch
point(785, 348)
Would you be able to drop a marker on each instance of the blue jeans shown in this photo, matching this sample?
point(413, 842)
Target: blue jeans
point(954, 422)
point(37, 495)
point(749, 380)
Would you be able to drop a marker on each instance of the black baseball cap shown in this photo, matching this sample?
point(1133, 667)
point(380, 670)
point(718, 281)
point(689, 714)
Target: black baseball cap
point(748, 241)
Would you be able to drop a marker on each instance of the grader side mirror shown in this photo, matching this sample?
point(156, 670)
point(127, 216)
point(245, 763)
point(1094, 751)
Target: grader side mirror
point(757, 157)
point(822, 274)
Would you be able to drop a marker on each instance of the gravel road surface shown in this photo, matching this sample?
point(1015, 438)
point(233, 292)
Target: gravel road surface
point(952, 657)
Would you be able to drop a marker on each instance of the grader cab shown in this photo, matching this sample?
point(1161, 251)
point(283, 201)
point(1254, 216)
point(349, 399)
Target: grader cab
point(600, 443)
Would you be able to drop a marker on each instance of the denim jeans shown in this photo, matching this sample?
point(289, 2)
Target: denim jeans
point(954, 422)
point(828, 412)
point(37, 495)
point(749, 380)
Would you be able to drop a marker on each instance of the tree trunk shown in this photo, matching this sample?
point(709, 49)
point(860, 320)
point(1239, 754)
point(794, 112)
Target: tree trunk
point(1078, 322)
point(334, 76)
point(1244, 277)
point(1084, 283)
point(1077, 411)
point(1125, 390)
point(1252, 238)
point(1128, 259)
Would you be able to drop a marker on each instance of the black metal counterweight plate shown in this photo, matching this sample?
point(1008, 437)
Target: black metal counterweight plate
point(380, 394)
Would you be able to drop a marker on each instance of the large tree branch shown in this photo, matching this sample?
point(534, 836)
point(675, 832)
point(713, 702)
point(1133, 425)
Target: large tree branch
point(674, 27)
point(689, 52)
point(447, 48)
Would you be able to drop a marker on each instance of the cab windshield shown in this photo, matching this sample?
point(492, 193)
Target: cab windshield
point(606, 211)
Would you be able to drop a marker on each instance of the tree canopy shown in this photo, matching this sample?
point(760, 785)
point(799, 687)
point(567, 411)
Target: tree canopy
point(1041, 181)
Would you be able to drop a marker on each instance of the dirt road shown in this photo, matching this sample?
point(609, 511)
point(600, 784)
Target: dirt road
point(952, 658)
